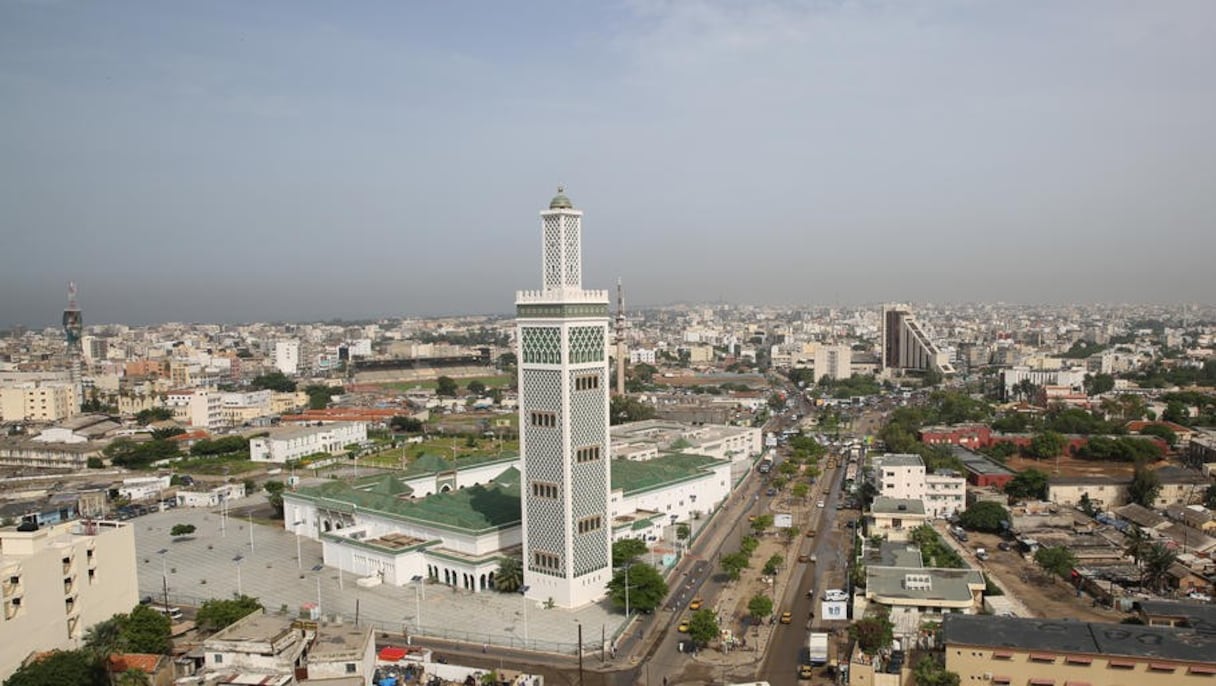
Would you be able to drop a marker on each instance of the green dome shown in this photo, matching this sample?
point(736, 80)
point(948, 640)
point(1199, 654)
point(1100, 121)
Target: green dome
point(560, 201)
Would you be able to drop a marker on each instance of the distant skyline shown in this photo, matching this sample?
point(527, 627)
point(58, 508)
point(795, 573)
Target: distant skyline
point(235, 162)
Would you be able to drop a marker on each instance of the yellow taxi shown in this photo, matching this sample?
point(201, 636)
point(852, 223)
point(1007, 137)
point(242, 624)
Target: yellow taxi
point(695, 604)
point(787, 617)
point(805, 672)
point(683, 628)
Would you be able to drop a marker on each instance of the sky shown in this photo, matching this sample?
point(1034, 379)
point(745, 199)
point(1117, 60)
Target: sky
point(290, 161)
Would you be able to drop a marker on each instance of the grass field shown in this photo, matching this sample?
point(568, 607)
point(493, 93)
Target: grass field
point(446, 447)
point(215, 466)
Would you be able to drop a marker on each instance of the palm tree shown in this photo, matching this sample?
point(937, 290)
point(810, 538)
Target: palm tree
point(1157, 562)
point(1137, 544)
point(510, 575)
point(104, 637)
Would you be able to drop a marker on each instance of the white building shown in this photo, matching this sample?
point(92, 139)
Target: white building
point(904, 477)
point(199, 407)
point(563, 421)
point(833, 361)
point(1073, 378)
point(143, 487)
point(642, 356)
point(293, 442)
point(287, 356)
point(58, 581)
point(211, 497)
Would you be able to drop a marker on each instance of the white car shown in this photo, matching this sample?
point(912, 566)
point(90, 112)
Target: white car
point(821, 503)
point(1196, 595)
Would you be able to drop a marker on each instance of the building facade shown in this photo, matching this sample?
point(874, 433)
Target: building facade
point(563, 333)
point(904, 476)
point(293, 442)
point(38, 401)
point(287, 356)
point(57, 581)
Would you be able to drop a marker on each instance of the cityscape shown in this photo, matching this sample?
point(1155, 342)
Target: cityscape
point(266, 420)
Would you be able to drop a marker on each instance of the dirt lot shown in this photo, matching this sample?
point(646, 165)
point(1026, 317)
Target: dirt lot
point(1070, 466)
point(1045, 595)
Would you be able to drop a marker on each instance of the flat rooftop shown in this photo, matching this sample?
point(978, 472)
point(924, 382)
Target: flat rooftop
point(945, 585)
point(909, 506)
point(899, 460)
point(1093, 638)
point(255, 628)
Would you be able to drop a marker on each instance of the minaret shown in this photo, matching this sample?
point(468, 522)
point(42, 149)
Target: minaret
point(563, 421)
point(620, 339)
point(73, 327)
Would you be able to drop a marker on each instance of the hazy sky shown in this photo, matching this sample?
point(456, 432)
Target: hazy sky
point(212, 161)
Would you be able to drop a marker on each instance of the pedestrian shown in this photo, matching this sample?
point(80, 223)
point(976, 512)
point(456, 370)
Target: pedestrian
point(484, 646)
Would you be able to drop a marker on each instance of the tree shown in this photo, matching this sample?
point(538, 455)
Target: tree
point(1028, 484)
point(95, 463)
point(274, 381)
point(1087, 506)
point(647, 587)
point(510, 575)
point(1137, 543)
point(872, 633)
point(75, 667)
point(683, 531)
point(774, 563)
point(274, 495)
point(734, 564)
point(405, 424)
point(800, 490)
point(476, 388)
point(762, 523)
point(1177, 413)
point(984, 515)
point(1144, 487)
point(216, 614)
point(703, 627)
point(132, 677)
point(1056, 559)
point(319, 395)
point(1047, 444)
point(445, 386)
point(930, 672)
point(105, 637)
point(1157, 562)
point(760, 606)
point(145, 631)
point(623, 409)
point(1209, 497)
point(1161, 431)
point(180, 530)
point(627, 550)
point(1097, 384)
point(153, 414)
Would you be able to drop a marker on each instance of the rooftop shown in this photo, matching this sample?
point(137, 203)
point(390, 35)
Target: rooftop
point(339, 642)
point(1064, 636)
point(884, 505)
point(944, 585)
point(632, 476)
point(899, 460)
point(1199, 616)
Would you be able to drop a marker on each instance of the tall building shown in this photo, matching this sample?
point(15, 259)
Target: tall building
point(287, 356)
point(907, 347)
point(563, 421)
point(60, 580)
point(73, 329)
point(833, 361)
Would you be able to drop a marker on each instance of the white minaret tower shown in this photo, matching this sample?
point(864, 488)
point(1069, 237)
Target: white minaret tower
point(563, 421)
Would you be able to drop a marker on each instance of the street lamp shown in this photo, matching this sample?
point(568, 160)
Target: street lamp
point(523, 592)
point(237, 560)
point(164, 576)
point(627, 565)
point(299, 559)
point(418, 601)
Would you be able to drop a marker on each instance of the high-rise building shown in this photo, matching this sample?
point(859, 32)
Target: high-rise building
point(287, 356)
point(73, 329)
point(907, 347)
point(833, 361)
point(563, 421)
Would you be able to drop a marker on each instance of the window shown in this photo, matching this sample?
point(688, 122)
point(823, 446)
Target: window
point(588, 453)
point(543, 560)
point(219, 659)
point(351, 668)
point(586, 382)
point(588, 524)
point(541, 489)
point(544, 419)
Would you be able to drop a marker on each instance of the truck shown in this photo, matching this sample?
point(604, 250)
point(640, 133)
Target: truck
point(817, 648)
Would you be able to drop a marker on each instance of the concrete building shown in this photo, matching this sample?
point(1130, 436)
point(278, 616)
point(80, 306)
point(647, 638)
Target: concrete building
point(294, 442)
point(1039, 652)
point(198, 407)
point(895, 518)
point(38, 401)
point(904, 476)
point(211, 497)
point(58, 581)
point(907, 347)
point(263, 645)
point(287, 356)
point(563, 334)
point(833, 361)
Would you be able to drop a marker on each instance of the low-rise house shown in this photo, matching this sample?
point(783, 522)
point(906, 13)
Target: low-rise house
point(895, 518)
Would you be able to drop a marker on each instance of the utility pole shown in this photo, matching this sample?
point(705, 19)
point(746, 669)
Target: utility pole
point(580, 654)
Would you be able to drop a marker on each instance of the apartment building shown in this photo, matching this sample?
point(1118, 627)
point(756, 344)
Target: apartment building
point(1021, 651)
point(287, 356)
point(903, 476)
point(38, 401)
point(198, 407)
point(292, 443)
point(57, 581)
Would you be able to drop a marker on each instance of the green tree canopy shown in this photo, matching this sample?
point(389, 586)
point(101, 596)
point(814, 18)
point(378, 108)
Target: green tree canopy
point(181, 530)
point(1058, 560)
point(319, 395)
point(627, 550)
point(1028, 484)
point(405, 424)
point(872, 633)
point(1161, 431)
point(61, 667)
point(476, 387)
point(1144, 487)
point(145, 630)
point(510, 575)
point(216, 614)
point(930, 672)
point(734, 564)
point(153, 414)
point(445, 386)
point(703, 627)
point(762, 523)
point(773, 564)
point(1097, 384)
point(647, 587)
point(624, 409)
point(760, 606)
point(984, 515)
point(274, 495)
point(274, 381)
point(1047, 444)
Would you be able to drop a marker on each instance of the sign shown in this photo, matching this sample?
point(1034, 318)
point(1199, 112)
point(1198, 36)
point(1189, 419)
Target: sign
point(834, 609)
point(783, 520)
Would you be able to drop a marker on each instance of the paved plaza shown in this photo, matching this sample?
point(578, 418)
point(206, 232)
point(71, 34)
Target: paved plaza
point(220, 558)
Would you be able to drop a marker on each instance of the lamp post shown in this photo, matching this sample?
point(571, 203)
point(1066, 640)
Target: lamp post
point(250, 533)
point(164, 576)
point(418, 602)
point(627, 565)
point(580, 652)
point(523, 593)
point(237, 560)
point(299, 558)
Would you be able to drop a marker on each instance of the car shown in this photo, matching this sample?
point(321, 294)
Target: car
point(821, 503)
point(695, 604)
point(804, 558)
point(683, 628)
point(751, 519)
point(1004, 545)
point(772, 491)
point(810, 533)
point(805, 671)
point(787, 617)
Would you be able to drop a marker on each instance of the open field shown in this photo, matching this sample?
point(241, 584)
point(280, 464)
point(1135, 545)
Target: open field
point(447, 447)
point(497, 381)
point(1071, 466)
